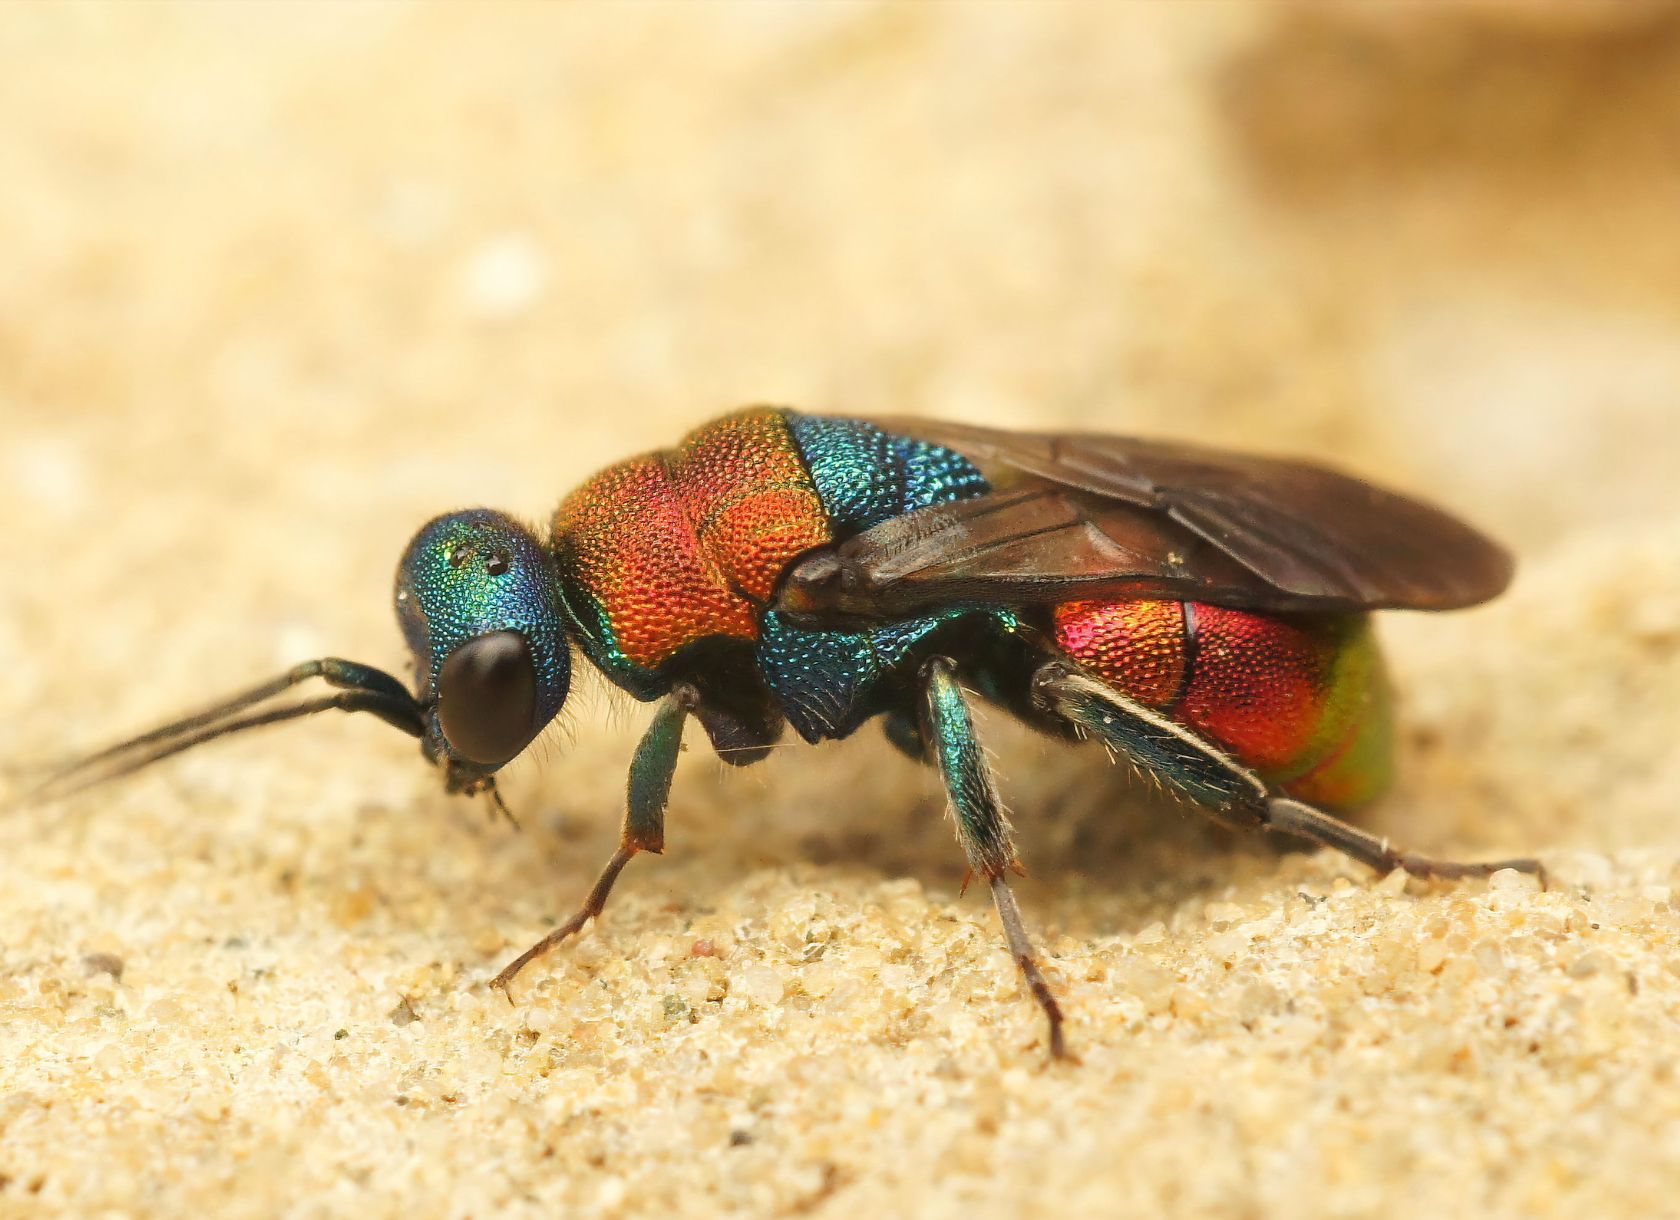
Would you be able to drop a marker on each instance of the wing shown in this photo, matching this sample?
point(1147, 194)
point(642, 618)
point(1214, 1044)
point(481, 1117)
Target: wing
point(1078, 515)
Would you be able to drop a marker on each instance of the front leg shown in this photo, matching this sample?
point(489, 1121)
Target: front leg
point(982, 828)
point(1220, 785)
point(647, 793)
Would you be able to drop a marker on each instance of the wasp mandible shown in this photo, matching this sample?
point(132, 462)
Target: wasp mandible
point(1204, 614)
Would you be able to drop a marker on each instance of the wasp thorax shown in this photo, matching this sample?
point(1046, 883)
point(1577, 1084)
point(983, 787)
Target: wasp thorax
point(479, 604)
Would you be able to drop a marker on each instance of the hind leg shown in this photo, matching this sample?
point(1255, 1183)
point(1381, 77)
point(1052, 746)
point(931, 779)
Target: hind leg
point(1295, 818)
point(1219, 784)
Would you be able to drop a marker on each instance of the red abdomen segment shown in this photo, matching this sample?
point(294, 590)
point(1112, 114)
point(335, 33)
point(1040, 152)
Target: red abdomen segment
point(1304, 701)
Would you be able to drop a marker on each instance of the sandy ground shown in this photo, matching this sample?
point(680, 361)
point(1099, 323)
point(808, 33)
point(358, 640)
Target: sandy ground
point(279, 284)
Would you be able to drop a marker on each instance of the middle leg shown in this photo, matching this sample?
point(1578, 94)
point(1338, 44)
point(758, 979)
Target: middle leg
point(982, 828)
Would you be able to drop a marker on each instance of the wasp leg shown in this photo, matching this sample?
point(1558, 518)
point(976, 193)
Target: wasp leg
point(1220, 785)
point(647, 793)
point(982, 828)
point(1304, 821)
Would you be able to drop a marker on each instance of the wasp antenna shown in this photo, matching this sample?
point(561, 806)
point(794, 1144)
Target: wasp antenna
point(362, 688)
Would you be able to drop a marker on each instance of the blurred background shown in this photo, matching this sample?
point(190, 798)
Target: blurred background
point(280, 285)
point(280, 282)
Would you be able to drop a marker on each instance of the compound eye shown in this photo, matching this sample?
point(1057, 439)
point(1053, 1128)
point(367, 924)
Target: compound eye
point(487, 698)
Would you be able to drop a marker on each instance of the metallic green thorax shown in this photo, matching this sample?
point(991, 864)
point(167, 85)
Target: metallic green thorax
point(653, 554)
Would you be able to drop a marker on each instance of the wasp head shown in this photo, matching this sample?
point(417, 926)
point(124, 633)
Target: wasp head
point(479, 604)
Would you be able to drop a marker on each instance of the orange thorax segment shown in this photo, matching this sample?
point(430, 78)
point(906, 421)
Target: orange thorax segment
point(688, 543)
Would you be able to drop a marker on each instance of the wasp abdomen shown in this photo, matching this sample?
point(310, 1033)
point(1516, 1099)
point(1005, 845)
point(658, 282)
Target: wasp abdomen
point(1302, 700)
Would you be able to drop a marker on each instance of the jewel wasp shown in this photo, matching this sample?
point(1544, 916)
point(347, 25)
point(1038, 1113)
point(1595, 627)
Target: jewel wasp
point(1204, 614)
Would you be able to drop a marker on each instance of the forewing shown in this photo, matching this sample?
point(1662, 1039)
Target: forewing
point(1080, 515)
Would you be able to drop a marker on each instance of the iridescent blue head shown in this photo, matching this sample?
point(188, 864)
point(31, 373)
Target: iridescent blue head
point(479, 604)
